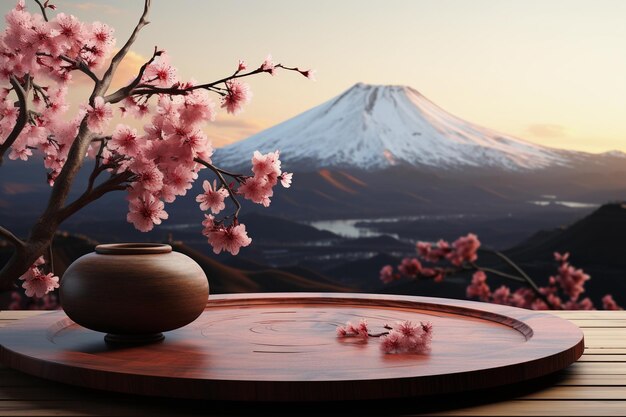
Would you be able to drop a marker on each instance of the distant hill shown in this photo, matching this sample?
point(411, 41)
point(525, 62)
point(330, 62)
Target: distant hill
point(596, 244)
point(222, 278)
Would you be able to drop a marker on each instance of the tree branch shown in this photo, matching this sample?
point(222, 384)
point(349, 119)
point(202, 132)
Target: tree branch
point(217, 172)
point(79, 65)
point(150, 89)
point(8, 235)
point(124, 92)
point(114, 183)
point(527, 279)
point(117, 59)
point(22, 118)
point(43, 10)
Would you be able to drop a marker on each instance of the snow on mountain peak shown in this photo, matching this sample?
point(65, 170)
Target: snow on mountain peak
point(376, 126)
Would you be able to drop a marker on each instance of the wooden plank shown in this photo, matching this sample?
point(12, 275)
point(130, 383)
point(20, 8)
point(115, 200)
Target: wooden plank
point(541, 408)
point(589, 314)
point(605, 351)
point(20, 314)
point(579, 393)
point(596, 368)
point(591, 380)
point(602, 358)
point(585, 323)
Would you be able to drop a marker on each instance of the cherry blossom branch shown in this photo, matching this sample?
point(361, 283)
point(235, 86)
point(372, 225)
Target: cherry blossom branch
point(124, 92)
point(145, 89)
point(114, 183)
point(496, 272)
point(43, 10)
point(22, 119)
point(218, 172)
point(81, 66)
point(98, 167)
point(8, 235)
point(528, 280)
point(75, 64)
point(117, 59)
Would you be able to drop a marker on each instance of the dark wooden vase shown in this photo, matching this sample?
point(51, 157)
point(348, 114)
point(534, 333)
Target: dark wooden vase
point(134, 291)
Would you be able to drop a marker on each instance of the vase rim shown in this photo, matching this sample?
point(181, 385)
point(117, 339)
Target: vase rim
point(133, 248)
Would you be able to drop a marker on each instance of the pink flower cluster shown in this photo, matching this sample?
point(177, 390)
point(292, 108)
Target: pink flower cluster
point(567, 284)
point(408, 337)
point(155, 165)
point(36, 283)
point(562, 292)
point(30, 48)
point(405, 337)
point(266, 168)
point(464, 249)
point(351, 330)
point(30, 45)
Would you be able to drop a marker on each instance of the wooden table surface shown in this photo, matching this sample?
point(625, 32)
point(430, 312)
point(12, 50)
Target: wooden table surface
point(594, 386)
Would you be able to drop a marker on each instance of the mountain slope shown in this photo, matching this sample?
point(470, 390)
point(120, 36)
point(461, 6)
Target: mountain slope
point(373, 127)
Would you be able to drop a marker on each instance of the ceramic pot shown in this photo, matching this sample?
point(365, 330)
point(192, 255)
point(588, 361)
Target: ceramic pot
point(134, 291)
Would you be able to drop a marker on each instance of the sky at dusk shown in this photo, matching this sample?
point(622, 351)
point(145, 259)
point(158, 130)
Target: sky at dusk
point(552, 72)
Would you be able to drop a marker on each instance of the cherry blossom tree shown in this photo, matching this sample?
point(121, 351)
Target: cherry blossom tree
point(39, 56)
point(443, 259)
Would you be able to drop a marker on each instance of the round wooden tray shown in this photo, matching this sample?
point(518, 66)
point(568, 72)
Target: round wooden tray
point(282, 347)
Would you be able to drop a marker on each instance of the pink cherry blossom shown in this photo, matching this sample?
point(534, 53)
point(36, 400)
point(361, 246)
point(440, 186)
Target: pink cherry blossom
point(310, 74)
point(362, 329)
point(465, 249)
point(266, 164)
point(408, 328)
point(285, 179)
point(161, 73)
point(237, 95)
point(387, 275)
point(608, 303)
point(99, 115)
point(257, 190)
point(198, 107)
point(268, 65)
point(145, 212)
point(209, 225)
point(102, 34)
point(559, 257)
point(410, 267)
point(212, 198)
point(230, 239)
point(150, 178)
point(479, 288)
point(125, 141)
point(392, 342)
point(501, 295)
point(38, 284)
point(71, 31)
point(241, 66)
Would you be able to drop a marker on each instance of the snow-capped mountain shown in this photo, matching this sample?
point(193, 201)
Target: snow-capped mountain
point(376, 126)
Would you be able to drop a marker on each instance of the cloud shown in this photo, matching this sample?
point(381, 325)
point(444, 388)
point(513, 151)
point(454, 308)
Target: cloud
point(245, 124)
point(126, 71)
point(547, 130)
point(13, 188)
point(97, 7)
point(228, 129)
